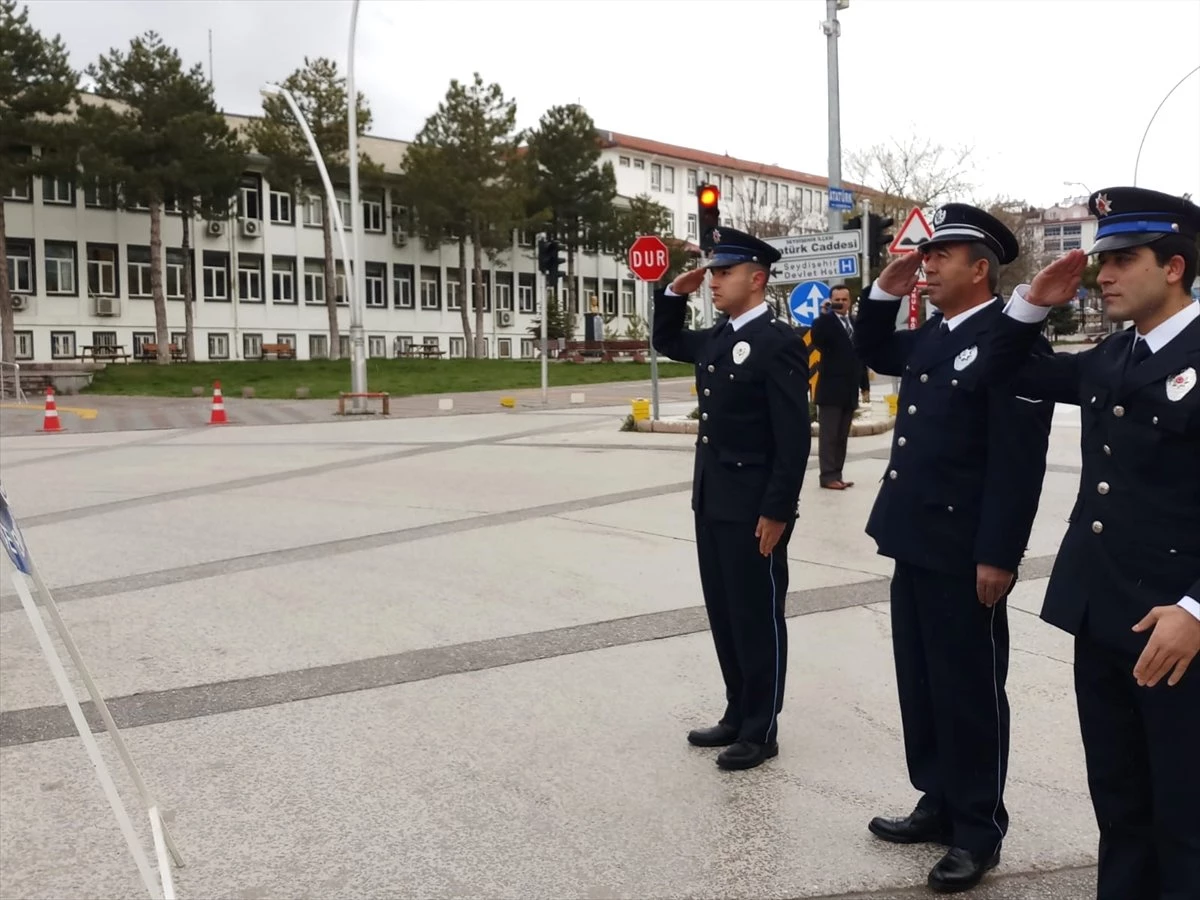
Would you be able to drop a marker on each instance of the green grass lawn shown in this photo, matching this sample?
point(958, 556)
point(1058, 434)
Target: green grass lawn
point(398, 377)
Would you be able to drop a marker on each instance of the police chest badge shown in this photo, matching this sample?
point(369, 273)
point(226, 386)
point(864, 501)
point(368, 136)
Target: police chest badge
point(965, 358)
point(741, 350)
point(1179, 385)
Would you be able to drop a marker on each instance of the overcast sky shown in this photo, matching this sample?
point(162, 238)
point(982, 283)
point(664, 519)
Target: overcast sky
point(1047, 91)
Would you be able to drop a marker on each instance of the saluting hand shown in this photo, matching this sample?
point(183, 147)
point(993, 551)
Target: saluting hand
point(768, 533)
point(1173, 645)
point(1059, 281)
point(900, 275)
point(689, 281)
point(992, 584)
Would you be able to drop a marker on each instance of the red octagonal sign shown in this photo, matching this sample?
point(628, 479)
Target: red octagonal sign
point(648, 258)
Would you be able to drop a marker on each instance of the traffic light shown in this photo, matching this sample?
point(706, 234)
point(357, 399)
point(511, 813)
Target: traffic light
point(549, 262)
point(853, 224)
point(878, 240)
point(708, 198)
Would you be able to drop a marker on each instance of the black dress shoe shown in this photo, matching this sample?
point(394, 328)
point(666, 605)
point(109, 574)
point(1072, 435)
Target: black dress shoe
point(918, 827)
point(961, 870)
point(720, 735)
point(746, 755)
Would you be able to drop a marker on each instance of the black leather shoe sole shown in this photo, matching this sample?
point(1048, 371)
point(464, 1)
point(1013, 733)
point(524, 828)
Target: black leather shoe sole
point(717, 736)
point(908, 835)
point(959, 884)
point(735, 763)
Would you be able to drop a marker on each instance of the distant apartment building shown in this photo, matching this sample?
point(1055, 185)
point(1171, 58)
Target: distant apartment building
point(79, 268)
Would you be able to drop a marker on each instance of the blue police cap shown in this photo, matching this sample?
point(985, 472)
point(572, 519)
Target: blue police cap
point(732, 247)
point(955, 223)
point(1132, 216)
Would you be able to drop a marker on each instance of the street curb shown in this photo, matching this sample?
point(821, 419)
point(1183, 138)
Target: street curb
point(691, 426)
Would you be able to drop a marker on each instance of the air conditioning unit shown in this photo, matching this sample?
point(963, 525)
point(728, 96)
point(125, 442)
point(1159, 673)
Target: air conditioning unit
point(106, 306)
point(399, 239)
point(251, 228)
point(19, 302)
point(214, 229)
point(504, 318)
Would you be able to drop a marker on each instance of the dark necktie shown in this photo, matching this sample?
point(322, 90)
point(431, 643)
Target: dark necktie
point(1141, 350)
point(846, 324)
point(943, 329)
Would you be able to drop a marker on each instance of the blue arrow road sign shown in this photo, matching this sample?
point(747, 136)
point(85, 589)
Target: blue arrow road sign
point(805, 301)
point(840, 199)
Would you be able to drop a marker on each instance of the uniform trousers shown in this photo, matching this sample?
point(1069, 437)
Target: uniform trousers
point(951, 655)
point(1143, 775)
point(745, 597)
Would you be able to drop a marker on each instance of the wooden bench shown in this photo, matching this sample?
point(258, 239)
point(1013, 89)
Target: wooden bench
point(421, 351)
point(606, 350)
point(103, 352)
point(375, 395)
point(281, 351)
point(149, 352)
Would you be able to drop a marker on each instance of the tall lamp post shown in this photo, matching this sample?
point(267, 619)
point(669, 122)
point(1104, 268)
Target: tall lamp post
point(331, 197)
point(1138, 161)
point(358, 355)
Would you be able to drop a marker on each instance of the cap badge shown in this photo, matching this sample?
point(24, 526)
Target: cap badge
point(716, 236)
point(965, 358)
point(939, 217)
point(1103, 205)
point(741, 350)
point(1179, 385)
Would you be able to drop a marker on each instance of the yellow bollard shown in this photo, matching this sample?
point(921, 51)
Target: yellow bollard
point(641, 409)
point(893, 401)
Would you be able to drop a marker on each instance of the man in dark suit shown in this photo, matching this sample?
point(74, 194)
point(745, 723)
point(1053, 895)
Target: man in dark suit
point(838, 386)
point(955, 510)
point(1126, 581)
point(751, 451)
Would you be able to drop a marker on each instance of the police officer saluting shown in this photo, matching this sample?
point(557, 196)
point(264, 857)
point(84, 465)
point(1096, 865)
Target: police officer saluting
point(954, 510)
point(751, 452)
point(1126, 581)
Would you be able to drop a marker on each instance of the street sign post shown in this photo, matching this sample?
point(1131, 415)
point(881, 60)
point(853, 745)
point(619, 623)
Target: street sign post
point(839, 198)
point(804, 269)
point(649, 260)
point(805, 302)
point(833, 255)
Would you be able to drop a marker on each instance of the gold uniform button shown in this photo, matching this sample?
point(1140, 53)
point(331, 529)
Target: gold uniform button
point(1097, 526)
point(1102, 487)
point(1118, 411)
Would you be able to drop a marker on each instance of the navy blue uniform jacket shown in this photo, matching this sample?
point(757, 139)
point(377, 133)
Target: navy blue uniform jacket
point(965, 475)
point(754, 431)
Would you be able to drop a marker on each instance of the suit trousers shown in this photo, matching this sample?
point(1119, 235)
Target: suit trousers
point(745, 595)
point(1142, 774)
point(951, 655)
point(833, 435)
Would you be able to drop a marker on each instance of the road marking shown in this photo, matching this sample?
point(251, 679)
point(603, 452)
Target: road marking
point(80, 411)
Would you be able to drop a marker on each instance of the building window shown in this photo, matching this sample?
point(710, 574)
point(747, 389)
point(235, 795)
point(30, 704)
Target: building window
point(344, 346)
point(504, 348)
point(401, 343)
point(283, 279)
point(313, 211)
point(102, 271)
point(218, 346)
point(623, 162)
point(289, 339)
point(372, 215)
point(99, 196)
point(58, 191)
point(60, 268)
point(318, 346)
point(527, 348)
point(525, 298)
point(314, 281)
point(250, 278)
point(375, 275)
point(216, 276)
point(402, 286)
point(281, 208)
point(20, 266)
point(458, 348)
point(138, 269)
point(20, 191)
point(639, 164)
point(250, 197)
point(504, 298)
point(252, 346)
point(24, 348)
point(783, 196)
point(179, 341)
point(693, 226)
point(453, 292)
point(104, 339)
point(430, 298)
point(691, 181)
point(140, 340)
point(62, 345)
point(668, 185)
point(376, 346)
point(608, 300)
point(656, 177)
point(174, 273)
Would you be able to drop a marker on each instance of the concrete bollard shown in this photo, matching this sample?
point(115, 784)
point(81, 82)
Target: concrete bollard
point(446, 403)
point(577, 397)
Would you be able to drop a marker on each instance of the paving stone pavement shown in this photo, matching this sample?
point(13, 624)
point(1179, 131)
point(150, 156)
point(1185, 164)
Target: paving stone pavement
point(456, 656)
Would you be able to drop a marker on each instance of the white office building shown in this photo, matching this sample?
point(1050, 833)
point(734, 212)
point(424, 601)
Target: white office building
point(79, 269)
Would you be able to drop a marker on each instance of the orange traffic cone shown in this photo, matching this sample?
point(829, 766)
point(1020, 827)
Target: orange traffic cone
point(218, 407)
point(50, 422)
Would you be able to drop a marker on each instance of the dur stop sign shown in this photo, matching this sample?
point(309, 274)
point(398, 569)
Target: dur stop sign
point(648, 258)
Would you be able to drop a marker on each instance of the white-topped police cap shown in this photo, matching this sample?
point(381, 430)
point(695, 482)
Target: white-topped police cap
point(956, 223)
point(732, 247)
point(1133, 216)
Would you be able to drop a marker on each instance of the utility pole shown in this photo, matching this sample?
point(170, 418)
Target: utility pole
point(833, 29)
point(356, 278)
